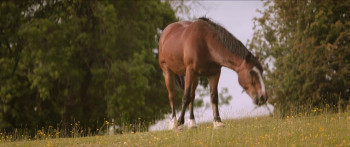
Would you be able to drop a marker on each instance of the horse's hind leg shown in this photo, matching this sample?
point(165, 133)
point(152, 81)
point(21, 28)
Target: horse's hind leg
point(192, 122)
point(169, 82)
point(186, 98)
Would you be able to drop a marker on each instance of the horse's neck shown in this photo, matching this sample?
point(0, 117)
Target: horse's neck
point(225, 57)
point(233, 62)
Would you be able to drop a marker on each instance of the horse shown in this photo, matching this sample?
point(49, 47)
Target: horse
point(188, 50)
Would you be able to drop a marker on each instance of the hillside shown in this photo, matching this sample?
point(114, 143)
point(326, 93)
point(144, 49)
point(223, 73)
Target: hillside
point(317, 130)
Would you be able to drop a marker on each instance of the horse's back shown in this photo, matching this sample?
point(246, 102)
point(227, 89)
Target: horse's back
point(172, 30)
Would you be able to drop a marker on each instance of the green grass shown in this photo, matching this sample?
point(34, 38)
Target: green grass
point(318, 130)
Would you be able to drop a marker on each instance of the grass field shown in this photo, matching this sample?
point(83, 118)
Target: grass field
point(318, 130)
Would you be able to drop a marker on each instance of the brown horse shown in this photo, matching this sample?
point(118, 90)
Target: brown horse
point(201, 48)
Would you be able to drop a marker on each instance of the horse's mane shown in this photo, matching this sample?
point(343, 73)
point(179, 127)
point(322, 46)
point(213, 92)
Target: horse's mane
point(232, 43)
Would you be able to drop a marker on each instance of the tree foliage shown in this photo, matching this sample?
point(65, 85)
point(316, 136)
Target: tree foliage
point(308, 43)
point(75, 60)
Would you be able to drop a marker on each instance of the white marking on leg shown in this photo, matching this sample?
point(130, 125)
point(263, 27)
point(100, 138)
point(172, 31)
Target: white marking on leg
point(173, 123)
point(260, 79)
point(192, 124)
point(179, 128)
point(218, 124)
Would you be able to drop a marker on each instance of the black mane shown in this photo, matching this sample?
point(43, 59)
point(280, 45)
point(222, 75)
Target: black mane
point(232, 43)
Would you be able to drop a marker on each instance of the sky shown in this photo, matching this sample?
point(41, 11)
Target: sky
point(237, 18)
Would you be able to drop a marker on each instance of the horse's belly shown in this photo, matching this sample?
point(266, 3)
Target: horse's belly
point(206, 68)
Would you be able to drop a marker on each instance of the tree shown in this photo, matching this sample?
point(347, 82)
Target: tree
point(308, 44)
point(86, 61)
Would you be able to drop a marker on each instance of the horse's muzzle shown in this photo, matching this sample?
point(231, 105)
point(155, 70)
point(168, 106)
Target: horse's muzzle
point(260, 100)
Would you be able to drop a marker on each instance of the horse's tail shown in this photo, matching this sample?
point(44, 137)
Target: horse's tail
point(180, 81)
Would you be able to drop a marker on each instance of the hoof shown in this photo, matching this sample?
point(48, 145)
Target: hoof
point(173, 123)
point(218, 125)
point(192, 124)
point(179, 128)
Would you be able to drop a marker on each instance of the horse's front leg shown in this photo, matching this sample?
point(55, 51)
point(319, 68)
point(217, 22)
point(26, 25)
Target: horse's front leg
point(192, 122)
point(213, 83)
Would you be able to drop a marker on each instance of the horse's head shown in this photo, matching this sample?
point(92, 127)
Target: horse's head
point(250, 78)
